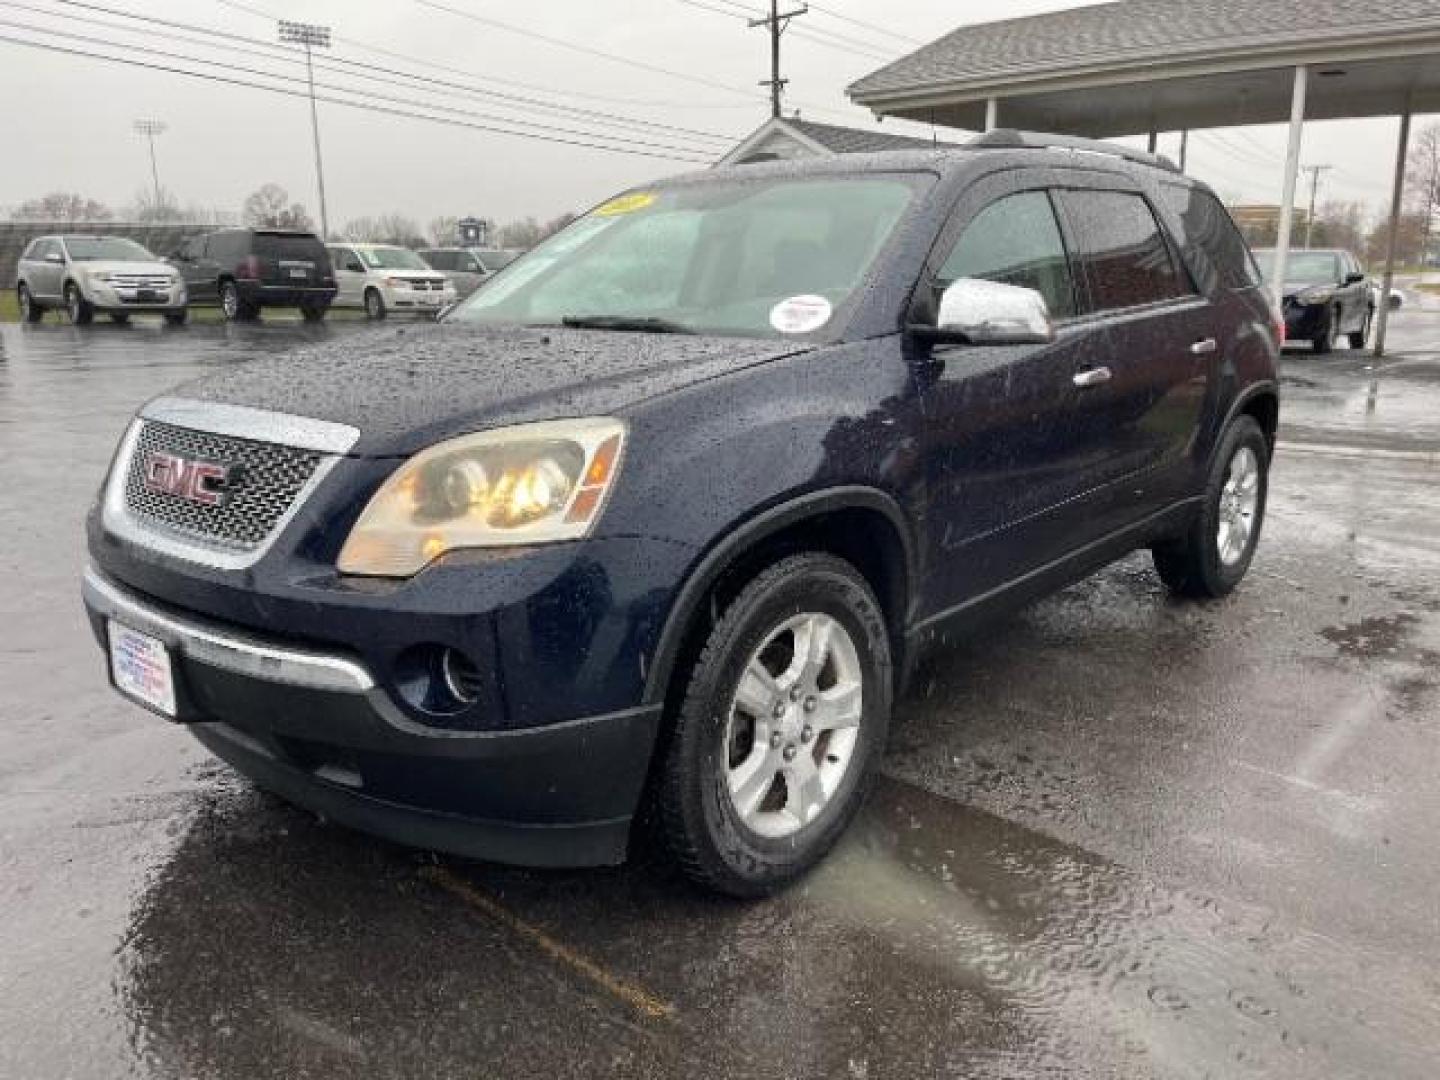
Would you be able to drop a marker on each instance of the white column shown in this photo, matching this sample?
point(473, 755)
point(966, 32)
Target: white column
point(1292, 170)
point(992, 113)
point(1388, 281)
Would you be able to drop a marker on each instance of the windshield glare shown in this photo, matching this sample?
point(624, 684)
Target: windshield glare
point(392, 258)
point(109, 247)
point(1302, 267)
point(752, 258)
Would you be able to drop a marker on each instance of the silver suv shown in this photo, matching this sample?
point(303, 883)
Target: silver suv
point(87, 274)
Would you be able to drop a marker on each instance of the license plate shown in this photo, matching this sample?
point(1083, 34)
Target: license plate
point(146, 296)
point(140, 666)
point(299, 272)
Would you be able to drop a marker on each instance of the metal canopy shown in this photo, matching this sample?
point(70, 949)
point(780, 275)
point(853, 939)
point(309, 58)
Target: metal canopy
point(1144, 66)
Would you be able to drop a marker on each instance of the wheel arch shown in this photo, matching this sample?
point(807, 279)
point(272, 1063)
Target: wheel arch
point(864, 526)
point(1261, 401)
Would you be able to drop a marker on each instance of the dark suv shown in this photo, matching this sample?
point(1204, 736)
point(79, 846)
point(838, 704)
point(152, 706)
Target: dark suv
point(664, 514)
point(244, 270)
point(1326, 295)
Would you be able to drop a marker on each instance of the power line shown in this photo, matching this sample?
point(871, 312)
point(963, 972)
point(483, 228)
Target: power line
point(414, 102)
point(775, 24)
point(288, 55)
point(830, 39)
point(362, 106)
point(830, 12)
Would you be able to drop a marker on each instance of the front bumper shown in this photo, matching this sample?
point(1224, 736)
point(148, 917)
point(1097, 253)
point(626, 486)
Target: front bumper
point(1305, 321)
point(108, 298)
point(415, 300)
point(316, 729)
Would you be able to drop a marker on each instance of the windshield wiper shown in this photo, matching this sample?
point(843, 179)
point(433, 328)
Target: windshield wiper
point(639, 323)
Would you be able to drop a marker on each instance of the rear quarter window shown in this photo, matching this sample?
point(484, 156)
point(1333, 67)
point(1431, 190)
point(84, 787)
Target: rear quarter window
point(1208, 227)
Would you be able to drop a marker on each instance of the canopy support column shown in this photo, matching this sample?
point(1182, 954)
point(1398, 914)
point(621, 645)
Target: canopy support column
point(1292, 172)
point(992, 113)
point(1402, 150)
point(1184, 147)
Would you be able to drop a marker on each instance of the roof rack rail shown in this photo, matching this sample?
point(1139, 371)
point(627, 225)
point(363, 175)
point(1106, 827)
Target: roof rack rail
point(1012, 139)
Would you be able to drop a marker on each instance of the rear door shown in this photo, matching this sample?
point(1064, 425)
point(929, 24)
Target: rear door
point(45, 274)
point(1159, 339)
point(202, 267)
point(1009, 436)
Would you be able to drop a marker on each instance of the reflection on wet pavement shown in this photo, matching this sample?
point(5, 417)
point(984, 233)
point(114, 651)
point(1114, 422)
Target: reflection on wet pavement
point(1117, 836)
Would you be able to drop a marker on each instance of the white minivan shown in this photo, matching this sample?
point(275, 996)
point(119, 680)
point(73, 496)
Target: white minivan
point(382, 278)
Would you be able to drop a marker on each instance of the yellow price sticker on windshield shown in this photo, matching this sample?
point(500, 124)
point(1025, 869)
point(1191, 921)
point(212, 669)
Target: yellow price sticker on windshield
point(626, 204)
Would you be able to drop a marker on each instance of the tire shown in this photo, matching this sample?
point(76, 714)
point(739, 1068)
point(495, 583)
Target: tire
point(177, 317)
point(1358, 338)
point(375, 305)
point(313, 312)
point(781, 836)
point(120, 318)
point(80, 310)
point(30, 311)
point(1324, 341)
point(235, 308)
point(1197, 564)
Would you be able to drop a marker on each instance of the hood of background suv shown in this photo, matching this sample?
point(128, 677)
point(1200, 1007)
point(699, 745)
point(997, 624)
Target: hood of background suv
point(412, 387)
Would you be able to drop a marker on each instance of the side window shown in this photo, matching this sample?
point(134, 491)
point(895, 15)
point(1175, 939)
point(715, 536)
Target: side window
point(1209, 227)
point(1015, 241)
point(1119, 243)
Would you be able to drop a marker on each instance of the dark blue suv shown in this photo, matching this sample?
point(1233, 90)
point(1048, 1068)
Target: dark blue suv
point(663, 514)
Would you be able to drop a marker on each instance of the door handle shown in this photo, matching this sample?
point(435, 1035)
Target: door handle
point(1204, 347)
point(1096, 376)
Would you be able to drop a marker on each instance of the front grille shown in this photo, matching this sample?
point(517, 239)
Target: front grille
point(141, 281)
point(265, 481)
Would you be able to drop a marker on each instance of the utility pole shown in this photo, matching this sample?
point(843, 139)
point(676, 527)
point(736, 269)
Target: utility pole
point(151, 128)
point(1314, 171)
point(776, 23)
point(311, 36)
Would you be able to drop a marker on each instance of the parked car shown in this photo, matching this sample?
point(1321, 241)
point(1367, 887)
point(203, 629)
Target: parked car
point(461, 265)
point(382, 278)
point(246, 270)
point(1326, 295)
point(668, 511)
point(83, 275)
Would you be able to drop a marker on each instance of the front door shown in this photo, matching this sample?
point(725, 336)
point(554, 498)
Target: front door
point(1009, 430)
point(349, 276)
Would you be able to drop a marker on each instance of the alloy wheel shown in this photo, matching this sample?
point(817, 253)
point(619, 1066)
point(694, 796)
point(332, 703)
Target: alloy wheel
point(1239, 502)
point(793, 725)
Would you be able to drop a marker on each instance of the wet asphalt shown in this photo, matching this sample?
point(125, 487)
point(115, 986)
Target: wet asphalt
point(1116, 835)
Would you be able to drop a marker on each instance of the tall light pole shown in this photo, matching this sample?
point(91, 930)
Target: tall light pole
point(151, 128)
point(312, 37)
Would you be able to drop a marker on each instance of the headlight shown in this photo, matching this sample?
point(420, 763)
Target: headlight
point(98, 275)
point(1316, 296)
point(397, 283)
point(530, 484)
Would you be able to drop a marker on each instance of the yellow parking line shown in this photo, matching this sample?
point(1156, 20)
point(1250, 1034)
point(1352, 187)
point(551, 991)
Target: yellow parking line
point(639, 999)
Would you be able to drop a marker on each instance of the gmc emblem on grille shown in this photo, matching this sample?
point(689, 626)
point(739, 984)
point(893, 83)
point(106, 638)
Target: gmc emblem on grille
point(200, 482)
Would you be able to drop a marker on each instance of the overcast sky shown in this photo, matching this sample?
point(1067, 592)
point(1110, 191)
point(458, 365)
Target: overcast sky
point(69, 119)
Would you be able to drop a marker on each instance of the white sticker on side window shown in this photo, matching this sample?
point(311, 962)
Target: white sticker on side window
point(800, 314)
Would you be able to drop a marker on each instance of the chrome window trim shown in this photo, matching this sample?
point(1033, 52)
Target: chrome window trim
point(228, 650)
point(234, 421)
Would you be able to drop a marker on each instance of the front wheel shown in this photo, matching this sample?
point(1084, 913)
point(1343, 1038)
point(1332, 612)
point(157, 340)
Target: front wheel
point(1214, 553)
point(236, 309)
point(30, 311)
point(784, 715)
point(1359, 337)
point(1324, 341)
point(374, 304)
point(80, 310)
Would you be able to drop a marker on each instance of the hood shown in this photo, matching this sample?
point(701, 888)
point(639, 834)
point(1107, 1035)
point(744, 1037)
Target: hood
point(124, 266)
point(409, 388)
point(1295, 288)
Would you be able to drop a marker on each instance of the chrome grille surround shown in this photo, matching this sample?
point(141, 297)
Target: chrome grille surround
point(281, 459)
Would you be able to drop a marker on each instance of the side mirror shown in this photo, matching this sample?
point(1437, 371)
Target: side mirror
point(355, 266)
point(978, 312)
point(54, 257)
point(1354, 279)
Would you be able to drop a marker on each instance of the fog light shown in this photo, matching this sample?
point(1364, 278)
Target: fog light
point(462, 677)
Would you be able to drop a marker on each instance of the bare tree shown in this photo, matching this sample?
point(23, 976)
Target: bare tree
point(444, 230)
point(145, 206)
point(1408, 238)
point(1342, 225)
point(266, 208)
point(63, 206)
point(1422, 175)
point(396, 228)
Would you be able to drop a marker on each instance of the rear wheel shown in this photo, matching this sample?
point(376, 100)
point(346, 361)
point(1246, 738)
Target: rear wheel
point(1214, 553)
point(235, 307)
point(374, 304)
point(1359, 337)
point(313, 312)
point(30, 311)
point(120, 318)
point(783, 717)
point(177, 317)
point(80, 310)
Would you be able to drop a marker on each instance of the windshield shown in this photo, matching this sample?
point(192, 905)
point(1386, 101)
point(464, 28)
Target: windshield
point(758, 258)
point(1303, 267)
point(106, 247)
point(391, 258)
